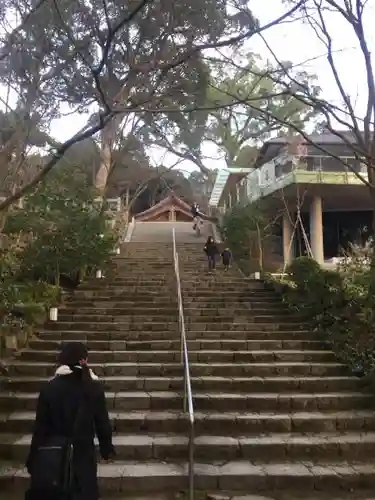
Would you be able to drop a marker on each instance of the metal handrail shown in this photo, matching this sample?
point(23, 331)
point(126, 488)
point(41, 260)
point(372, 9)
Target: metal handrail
point(188, 406)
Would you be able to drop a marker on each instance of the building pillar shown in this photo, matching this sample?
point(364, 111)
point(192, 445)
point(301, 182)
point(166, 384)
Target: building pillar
point(238, 196)
point(316, 229)
point(172, 215)
point(288, 240)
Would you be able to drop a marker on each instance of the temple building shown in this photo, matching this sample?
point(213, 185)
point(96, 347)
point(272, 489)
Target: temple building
point(171, 208)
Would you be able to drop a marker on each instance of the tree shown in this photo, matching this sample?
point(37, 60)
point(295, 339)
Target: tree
point(355, 129)
point(249, 230)
point(202, 185)
point(252, 107)
point(17, 136)
point(112, 60)
point(64, 232)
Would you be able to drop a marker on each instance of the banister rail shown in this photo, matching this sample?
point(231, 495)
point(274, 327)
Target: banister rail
point(188, 406)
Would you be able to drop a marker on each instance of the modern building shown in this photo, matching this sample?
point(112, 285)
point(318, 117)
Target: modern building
point(316, 187)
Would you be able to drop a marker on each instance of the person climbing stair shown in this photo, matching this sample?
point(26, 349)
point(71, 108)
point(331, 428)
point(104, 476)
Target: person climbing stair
point(211, 251)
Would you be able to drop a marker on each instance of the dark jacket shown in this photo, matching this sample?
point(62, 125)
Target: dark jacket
point(226, 255)
point(211, 249)
point(195, 211)
point(58, 404)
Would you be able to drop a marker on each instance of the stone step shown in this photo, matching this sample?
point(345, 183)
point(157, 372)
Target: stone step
point(159, 400)
point(167, 316)
point(213, 301)
point(107, 326)
point(205, 289)
point(158, 326)
point(142, 278)
point(108, 304)
point(155, 288)
point(148, 281)
point(104, 305)
point(217, 288)
point(137, 400)
point(154, 477)
point(145, 267)
point(200, 356)
point(266, 449)
point(211, 423)
point(208, 383)
point(113, 294)
point(282, 402)
point(148, 293)
point(250, 310)
point(126, 317)
point(211, 314)
point(170, 281)
point(132, 334)
point(197, 369)
point(220, 344)
point(68, 313)
point(285, 325)
point(190, 307)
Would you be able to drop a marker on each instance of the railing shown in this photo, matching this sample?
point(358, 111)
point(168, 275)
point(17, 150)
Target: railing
point(188, 406)
point(129, 231)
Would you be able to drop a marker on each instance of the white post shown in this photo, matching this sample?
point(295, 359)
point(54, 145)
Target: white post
point(257, 275)
point(316, 229)
point(53, 312)
point(99, 274)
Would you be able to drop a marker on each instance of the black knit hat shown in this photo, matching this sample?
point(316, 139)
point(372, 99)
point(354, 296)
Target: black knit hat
point(72, 353)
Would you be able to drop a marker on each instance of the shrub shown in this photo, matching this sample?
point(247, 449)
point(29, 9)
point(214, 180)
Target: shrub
point(334, 308)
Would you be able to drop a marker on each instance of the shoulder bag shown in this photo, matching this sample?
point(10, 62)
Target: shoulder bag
point(51, 468)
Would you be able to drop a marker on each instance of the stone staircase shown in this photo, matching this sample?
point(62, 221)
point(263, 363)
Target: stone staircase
point(274, 411)
point(130, 324)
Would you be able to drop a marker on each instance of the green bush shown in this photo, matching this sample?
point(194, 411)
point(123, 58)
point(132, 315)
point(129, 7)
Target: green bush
point(338, 311)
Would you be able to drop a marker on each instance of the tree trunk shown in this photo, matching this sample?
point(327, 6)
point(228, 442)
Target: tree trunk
point(3, 219)
point(108, 139)
point(105, 164)
point(371, 179)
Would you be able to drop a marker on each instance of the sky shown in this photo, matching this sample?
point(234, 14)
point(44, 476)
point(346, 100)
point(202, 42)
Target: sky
point(296, 42)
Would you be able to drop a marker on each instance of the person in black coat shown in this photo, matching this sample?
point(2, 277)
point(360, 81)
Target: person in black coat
point(75, 388)
point(211, 251)
point(195, 210)
point(226, 256)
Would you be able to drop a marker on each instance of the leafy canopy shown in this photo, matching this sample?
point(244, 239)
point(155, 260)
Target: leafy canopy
point(252, 105)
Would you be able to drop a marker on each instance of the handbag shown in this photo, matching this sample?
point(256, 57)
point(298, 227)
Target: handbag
point(51, 468)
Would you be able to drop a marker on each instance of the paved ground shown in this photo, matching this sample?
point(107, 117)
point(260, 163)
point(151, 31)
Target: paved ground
point(159, 232)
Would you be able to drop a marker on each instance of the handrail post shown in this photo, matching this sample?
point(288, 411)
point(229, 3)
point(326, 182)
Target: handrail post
point(191, 462)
